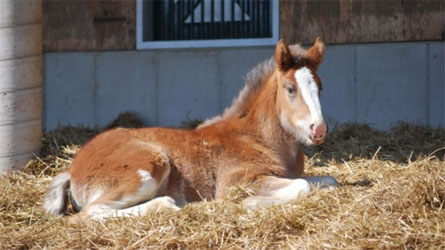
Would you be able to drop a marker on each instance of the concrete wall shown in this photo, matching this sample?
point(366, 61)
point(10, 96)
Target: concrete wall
point(20, 82)
point(377, 84)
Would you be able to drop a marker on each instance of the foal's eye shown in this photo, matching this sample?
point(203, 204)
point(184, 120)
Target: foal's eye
point(290, 90)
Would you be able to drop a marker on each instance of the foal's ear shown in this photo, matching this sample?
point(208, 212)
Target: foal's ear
point(315, 53)
point(283, 57)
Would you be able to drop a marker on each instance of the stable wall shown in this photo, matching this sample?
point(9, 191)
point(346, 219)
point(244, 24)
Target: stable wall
point(378, 84)
point(20, 83)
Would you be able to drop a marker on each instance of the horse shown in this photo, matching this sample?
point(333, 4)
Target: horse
point(255, 142)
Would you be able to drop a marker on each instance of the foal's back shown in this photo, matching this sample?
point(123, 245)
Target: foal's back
point(184, 163)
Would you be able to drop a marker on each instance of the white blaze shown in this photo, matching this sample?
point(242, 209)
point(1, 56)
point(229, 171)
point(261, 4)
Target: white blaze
point(309, 91)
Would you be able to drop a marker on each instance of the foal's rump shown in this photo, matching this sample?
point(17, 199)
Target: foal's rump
point(114, 171)
point(125, 168)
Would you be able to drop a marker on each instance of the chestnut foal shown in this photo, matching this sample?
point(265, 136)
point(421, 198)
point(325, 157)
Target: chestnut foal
point(254, 142)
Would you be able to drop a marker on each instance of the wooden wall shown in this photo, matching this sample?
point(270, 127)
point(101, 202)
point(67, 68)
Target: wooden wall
point(362, 21)
point(84, 25)
point(89, 25)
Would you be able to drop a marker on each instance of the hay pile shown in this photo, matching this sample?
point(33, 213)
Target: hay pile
point(392, 196)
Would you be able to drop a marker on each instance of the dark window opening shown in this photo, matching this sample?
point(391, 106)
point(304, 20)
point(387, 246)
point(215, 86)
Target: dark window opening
point(171, 20)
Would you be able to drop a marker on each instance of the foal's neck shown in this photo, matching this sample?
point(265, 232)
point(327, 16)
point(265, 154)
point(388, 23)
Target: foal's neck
point(263, 119)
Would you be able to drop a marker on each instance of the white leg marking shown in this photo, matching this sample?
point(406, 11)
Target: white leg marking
point(129, 204)
point(146, 191)
point(157, 203)
point(298, 187)
point(100, 212)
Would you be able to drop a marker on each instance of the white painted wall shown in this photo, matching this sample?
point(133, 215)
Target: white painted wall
point(377, 84)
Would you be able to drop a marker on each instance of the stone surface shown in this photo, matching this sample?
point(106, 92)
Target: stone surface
point(20, 82)
point(337, 73)
point(13, 12)
point(188, 86)
point(377, 84)
point(126, 81)
point(69, 90)
point(20, 41)
point(20, 106)
point(392, 84)
point(21, 73)
point(436, 78)
point(20, 138)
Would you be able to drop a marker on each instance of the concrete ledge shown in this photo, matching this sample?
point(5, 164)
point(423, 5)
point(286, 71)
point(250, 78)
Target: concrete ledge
point(21, 73)
point(20, 41)
point(20, 106)
point(16, 162)
point(20, 138)
point(19, 12)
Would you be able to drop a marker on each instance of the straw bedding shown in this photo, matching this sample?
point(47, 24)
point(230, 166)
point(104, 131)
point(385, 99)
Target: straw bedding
point(392, 195)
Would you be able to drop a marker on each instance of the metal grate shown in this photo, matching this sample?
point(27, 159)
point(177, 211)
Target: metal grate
point(209, 19)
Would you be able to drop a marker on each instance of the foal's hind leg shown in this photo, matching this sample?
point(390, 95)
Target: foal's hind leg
point(119, 203)
point(131, 192)
point(270, 190)
point(101, 210)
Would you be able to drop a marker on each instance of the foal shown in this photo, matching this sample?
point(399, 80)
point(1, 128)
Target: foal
point(255, 142)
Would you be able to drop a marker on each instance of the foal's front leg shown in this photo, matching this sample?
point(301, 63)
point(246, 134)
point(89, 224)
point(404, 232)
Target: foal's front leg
point(271, 190)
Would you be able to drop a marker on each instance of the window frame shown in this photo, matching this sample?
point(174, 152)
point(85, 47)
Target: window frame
point(213, 43)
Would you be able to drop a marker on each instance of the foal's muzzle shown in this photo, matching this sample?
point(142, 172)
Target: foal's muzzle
point(318, 132)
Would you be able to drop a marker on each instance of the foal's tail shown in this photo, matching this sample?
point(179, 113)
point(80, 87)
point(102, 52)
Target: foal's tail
point(55, 199)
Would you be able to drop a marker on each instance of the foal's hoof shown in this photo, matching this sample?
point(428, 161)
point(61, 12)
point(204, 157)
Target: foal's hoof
point(78, 219)
point(165, 202)
point(323, 181)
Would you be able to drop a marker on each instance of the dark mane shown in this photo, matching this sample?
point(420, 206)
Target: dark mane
point(253, 81)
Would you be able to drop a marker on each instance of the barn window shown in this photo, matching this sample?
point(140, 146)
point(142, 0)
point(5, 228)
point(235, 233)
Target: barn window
point(206, 23)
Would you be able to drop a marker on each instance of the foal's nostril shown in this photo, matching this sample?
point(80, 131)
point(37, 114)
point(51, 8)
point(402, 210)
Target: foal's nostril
point(318, 131)
point(311, 127)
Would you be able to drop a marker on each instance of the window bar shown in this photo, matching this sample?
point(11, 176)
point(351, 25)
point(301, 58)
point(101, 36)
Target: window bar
point(179, 22)
point(202, 20)
point(161, 21)
point(187, 11)
point(243, 28)
point(263, 18)
point(170, 20)
point(192, 10)
point(222, 20)
point(267, 18)
point(212, 17)
point(252, 18)
point(258, 18)
point(238, 22)
point(232, 17)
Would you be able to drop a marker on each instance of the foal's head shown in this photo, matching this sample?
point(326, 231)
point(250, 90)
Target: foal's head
point(298, 93)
